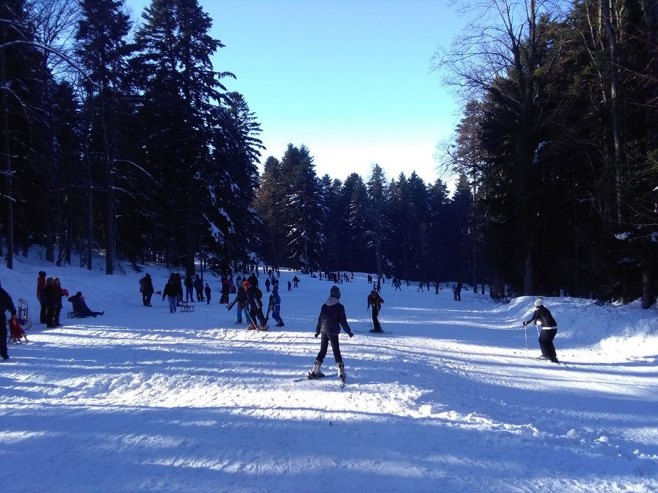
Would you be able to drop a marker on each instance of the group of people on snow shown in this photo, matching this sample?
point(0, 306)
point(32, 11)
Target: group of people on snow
point(249, 303)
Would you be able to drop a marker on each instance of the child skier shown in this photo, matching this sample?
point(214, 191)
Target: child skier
point(332, 318)
point(375, 301)
point(275, 306)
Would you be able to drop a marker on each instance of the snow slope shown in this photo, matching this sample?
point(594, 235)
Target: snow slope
point(140, 400)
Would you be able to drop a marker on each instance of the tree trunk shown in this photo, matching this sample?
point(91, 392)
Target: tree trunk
point(6, 149)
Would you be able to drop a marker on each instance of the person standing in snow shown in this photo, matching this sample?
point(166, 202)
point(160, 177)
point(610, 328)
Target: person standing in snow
point(332, 318)
point(41, 296)
point(189, 289)
point(171, 292)
point(542, 317)
point(146, 287)
point(275, 306)
point(457, 291)
point(375, 301)
point(208, 292)
point(198, 287)
point(6, 304)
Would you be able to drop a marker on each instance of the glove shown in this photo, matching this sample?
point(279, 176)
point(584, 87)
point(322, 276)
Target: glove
point(351, 334)
point(525, 322)
point(317, 334)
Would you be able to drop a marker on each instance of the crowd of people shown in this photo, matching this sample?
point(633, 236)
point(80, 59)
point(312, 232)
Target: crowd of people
point(249, 302)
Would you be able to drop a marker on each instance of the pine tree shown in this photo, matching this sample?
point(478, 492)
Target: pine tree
point(180, 87)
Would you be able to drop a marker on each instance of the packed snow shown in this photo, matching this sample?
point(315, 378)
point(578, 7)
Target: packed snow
point(450, 399)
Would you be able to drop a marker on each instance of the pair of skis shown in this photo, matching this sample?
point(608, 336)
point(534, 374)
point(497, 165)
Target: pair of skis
point(319, 377)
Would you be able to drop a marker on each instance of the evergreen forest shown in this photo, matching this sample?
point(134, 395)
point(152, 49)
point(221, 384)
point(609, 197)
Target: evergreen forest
point(124, 141)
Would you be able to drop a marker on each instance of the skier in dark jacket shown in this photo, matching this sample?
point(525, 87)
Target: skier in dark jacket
point(542, 317)
point(332, 318)
point(6, 304)
point(375, 302)
point(208, 292)
point(255, 305)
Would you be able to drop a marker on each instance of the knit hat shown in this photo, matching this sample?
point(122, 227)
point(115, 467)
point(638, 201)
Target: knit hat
point(539, 301)
point(335, 292)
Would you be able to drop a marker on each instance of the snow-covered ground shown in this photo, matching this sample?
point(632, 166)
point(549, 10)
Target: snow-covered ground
point(140, 400)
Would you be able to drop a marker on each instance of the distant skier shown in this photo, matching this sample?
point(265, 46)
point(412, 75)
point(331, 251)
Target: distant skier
point(332, 318)
point(375, 302)
point(542, 317)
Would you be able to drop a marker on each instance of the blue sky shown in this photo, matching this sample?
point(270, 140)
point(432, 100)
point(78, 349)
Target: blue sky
point(350, 80)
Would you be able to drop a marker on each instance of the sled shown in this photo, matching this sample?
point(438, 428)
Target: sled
point(22, 314)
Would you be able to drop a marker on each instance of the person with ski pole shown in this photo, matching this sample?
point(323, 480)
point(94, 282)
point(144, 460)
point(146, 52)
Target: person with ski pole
point(543, 318)
point(332, 318)
point(375, 301)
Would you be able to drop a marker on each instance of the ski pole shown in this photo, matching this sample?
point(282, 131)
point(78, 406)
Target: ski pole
point(525, 329)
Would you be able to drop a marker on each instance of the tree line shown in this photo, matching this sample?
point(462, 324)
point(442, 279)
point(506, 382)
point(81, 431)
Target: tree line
point(125, 141)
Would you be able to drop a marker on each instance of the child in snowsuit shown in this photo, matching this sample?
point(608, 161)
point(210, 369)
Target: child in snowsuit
point(375, 301)
point(332, 318)
point(275, 306)
point(542, 317)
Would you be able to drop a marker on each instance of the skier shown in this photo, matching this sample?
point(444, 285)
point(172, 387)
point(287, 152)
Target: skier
point(255, 305)
point(375, 301)
point(542, 316)
point(332, 318)
point(208, 292)
point(6, 304)
point(275, 306)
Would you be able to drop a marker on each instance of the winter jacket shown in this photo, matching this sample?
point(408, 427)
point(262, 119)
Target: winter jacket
point(332, 318)
point(146, 285)
point(170, 289)
point(375, 301)
point(6, 303)
point(254, 296)
point(543, 316)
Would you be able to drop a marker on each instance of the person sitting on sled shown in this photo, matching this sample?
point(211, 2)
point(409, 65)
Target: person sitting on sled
point(80, 307)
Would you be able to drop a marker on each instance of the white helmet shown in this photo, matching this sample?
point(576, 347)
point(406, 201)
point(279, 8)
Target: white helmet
point(539, 301)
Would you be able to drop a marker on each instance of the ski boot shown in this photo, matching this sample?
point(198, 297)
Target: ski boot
point(315, 372)
point(341, 371)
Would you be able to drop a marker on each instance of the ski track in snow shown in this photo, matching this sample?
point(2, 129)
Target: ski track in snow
point(450, 401)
